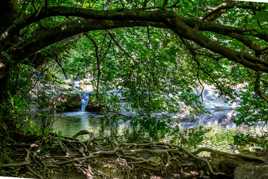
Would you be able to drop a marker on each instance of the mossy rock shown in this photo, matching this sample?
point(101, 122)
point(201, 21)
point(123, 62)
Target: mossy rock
point(68, 103)
point(251, 172)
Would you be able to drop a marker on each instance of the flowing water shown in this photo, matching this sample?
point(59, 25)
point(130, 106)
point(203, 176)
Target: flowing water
point(84, 101)
point(219, 112)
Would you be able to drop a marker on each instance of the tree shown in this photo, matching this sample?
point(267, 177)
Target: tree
point(219, 31)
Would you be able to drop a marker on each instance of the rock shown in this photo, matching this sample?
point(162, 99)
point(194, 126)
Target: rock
point(64, 103)
point(251, 172)
point(72, 102)
point(94, 108)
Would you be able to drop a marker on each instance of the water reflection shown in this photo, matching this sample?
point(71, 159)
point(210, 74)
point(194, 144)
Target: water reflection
point(70, 123)
point(131, 129)
point(83, 116)
point(115, 126)
point(219, 112)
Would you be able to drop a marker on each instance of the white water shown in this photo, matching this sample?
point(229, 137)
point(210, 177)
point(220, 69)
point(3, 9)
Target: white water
point(219, 110)
point(84, 101)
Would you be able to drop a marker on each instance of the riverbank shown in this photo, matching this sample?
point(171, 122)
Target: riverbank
point(103, 157)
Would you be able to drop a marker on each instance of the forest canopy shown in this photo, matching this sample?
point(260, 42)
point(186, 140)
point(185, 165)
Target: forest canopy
point(148, 48)
point(146, 88)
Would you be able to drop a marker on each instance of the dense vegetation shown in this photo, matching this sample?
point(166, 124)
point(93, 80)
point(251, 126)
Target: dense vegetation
point(155, 52)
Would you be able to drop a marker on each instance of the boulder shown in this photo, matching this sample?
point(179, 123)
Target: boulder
point(64, 103)
point(72, 102)
point(94, 108)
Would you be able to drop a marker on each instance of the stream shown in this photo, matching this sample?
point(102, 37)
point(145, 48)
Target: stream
point(219, 112)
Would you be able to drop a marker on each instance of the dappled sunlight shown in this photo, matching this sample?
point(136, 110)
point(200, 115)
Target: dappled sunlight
point(134, 89)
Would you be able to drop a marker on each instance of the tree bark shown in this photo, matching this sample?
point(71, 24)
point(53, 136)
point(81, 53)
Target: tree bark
point(7, 13)
point(4, 88)
point(7, 16)
point(189, 28)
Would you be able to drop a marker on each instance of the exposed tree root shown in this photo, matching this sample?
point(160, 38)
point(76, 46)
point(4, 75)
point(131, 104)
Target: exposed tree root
point(250, 158)
point(102, 159)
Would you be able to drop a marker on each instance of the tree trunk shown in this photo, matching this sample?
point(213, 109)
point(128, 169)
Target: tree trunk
point(4, 88)
point(7, 16)
point(7, 13)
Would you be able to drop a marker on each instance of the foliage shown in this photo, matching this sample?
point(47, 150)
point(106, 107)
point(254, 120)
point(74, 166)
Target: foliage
point(252, 110)
point(257, 143)
point(155, 65)
point(241, 139)
point(192, 138)
point(156, 69)
point(150, 54)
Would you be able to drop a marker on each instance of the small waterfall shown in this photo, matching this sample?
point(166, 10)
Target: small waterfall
point(84, 101)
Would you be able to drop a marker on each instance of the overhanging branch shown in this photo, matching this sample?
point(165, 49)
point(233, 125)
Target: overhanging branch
point(61, 32)
point(128, 14)
point(182, 29)
point(103, 20)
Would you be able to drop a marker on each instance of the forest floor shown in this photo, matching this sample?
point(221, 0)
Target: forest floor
point(52, 156)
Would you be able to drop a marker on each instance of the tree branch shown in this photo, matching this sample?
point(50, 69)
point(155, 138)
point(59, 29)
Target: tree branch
point(128, 14)
point(102, 20)
point(257, 87)
point(182, 29)
point(61, 32)
point(60, 65)
point(98, 64)
point(217, 11)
